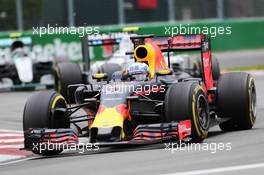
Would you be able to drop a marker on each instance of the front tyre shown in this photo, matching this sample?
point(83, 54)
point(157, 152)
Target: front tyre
point(67, 74)
point(39, 113)
point(187, 101)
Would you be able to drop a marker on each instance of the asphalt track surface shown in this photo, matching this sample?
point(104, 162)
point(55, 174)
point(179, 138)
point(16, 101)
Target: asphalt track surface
point(245, 157)
point(240, 58)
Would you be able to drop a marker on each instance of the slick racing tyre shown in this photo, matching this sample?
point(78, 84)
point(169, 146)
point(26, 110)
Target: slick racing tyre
point(215, 67)
point(109, 69)
point(187, 101)
point(38, 113)
point(236, 99)
point(67, 74)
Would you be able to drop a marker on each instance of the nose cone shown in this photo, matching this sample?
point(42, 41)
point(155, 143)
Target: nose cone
point(109, 117)
point(108, 124)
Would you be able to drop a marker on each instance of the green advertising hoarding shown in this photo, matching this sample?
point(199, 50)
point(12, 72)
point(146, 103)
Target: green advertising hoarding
point(227, 35)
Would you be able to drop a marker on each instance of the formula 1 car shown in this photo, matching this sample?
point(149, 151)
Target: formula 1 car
point(71, 73)
point(167, 107)
point(21, 68)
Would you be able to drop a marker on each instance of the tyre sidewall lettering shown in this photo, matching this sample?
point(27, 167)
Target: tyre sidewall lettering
point(197, 92)
point(250, 89)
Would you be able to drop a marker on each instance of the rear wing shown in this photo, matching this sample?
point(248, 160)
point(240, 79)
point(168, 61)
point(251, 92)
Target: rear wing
point(102, 39)
point(105, 39)
point(178, 42)
point(183, 43)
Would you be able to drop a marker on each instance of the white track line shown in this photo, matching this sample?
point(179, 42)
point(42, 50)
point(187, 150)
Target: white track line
point(11, 131)
point(17, 161)
point(11, 140)
point(11, 146)
point(220, 170)
point(11, 135)
point(8, 157)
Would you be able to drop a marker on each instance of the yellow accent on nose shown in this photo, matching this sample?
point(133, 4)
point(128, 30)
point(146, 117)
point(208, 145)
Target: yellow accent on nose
point(108, 118)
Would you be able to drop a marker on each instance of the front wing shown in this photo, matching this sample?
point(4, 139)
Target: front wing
point(143, 135)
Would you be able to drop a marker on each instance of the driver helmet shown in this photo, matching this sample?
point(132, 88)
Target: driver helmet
point(138, 71)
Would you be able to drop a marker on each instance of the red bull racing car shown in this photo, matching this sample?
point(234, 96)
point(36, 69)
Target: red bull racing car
point(145, 107)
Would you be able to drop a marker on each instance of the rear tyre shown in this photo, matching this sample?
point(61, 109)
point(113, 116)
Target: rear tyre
point(187, 101)
point(38, 113)
point(109, 68)
point(236, 99)
point(215, 67)
point(14, 76)
point(67, 74)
